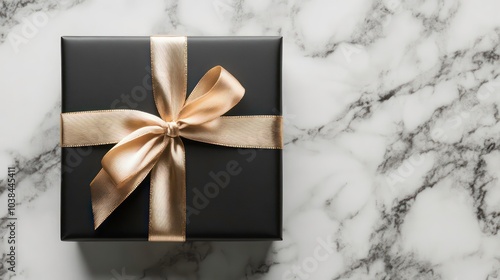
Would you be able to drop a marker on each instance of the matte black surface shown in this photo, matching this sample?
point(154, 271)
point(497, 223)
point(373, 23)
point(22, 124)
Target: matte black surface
point(114, 72)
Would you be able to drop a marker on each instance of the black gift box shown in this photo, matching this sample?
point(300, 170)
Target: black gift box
point(100, 73)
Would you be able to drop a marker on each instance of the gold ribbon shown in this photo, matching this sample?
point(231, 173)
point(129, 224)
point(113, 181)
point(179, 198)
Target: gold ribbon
point(147, 144)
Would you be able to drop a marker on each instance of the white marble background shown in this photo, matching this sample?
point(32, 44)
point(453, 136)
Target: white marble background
point(392, 152)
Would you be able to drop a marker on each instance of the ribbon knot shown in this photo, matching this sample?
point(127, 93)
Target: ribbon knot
point(171, 129)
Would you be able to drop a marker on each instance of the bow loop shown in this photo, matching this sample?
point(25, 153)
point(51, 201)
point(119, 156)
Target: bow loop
point(216, 93)
point(133, 154)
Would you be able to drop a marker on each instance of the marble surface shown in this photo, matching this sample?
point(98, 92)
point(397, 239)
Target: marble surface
point(392, 129)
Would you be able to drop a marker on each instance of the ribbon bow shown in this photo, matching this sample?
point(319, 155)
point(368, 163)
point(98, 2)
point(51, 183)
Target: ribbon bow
point(147, 144)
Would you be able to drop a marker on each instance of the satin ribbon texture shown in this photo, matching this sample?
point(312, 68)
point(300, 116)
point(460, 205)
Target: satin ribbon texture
point(148, 144)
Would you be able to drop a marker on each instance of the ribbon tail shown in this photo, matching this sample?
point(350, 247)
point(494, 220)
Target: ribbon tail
point(167, 209)
point(106, 196)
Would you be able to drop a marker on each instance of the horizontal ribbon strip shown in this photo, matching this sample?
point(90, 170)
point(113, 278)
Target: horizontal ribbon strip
point(92, 128)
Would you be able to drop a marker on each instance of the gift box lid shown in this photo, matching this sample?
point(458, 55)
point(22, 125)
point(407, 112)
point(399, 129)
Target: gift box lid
point(231, 193)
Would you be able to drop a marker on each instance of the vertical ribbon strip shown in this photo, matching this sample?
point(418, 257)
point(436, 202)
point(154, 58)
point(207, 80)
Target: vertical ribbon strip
point(147, 144)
